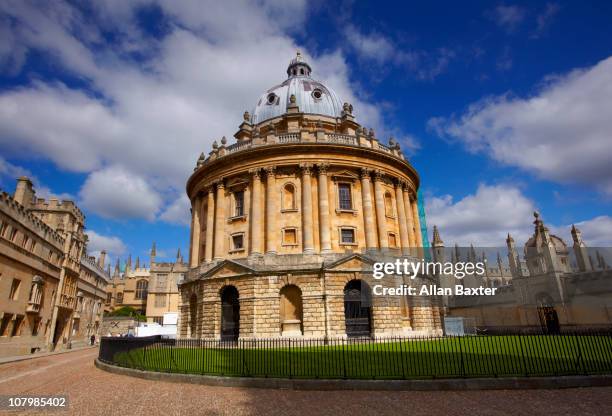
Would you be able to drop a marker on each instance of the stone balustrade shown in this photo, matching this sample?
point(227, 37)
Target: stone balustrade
point(304, 137)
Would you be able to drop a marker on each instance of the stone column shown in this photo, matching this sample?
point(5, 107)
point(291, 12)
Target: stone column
point(210, 225)
point(220, 222)
point(401, 214)
point(379, 197)
point(368, 209)
point(271, 211)
point(256, 215)
point(417, 223)
point(409, 220)
point(307, 223)
point(324, 222)
point(196, 230)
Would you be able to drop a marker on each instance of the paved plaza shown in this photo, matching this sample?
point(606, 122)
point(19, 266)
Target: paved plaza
point(92, 391)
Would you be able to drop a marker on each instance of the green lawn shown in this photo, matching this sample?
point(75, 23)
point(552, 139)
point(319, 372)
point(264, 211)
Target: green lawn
point(445, 357)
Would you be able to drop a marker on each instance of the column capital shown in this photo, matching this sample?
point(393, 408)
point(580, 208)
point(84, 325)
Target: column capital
point(322, 168)
point(306, 168)
point(364, 173)
point(256, 172)
point(270, 170)
point(379, 175)
point(218, 184)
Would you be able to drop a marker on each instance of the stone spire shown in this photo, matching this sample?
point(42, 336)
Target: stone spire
point(581, 251)
point(117, 269)
point(179, 256)
point(513, 259)
point(137, 263)
point(128, 265)
point(153, 253)
point(437, 241)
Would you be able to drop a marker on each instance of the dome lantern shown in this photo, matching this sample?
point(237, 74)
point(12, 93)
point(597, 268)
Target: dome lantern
point(298, 67)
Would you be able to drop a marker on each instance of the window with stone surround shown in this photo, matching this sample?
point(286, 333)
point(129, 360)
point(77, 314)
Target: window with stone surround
point(17, 326)
point(119, 298)
point(160, 300)
point(239, 203)
point(5, 323)
point(345, 200)
point(142, 287)
point(14, 292)
point(288, 198)
point(347, 236)
point(389, 212)
point(237, 241)
point(392, 240)
point(290, 237)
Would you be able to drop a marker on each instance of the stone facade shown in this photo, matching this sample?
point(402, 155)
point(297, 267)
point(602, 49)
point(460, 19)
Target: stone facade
point(278, 216)
point(51, 291)
point(551, 288)
point(153, 290)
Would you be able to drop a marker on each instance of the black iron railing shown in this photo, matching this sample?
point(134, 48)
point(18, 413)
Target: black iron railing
point(577, 353)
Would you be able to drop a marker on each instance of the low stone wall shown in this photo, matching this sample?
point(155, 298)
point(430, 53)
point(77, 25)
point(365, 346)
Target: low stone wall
point(502, 383)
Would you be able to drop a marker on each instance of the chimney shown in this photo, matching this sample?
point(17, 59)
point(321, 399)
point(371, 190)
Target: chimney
point(24, 192)
point(102, 258)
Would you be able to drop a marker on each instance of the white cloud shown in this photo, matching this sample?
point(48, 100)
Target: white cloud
point(9, 172)
point(483, 218)
point(114, 192)
point(178, 212)
point(372, 46)
point(97, 242)
point(562, 133)
point(148, 106)
point(596, 232)
point(508, 17)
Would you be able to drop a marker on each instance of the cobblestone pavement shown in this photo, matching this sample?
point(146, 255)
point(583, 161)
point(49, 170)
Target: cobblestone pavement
point(92, 391)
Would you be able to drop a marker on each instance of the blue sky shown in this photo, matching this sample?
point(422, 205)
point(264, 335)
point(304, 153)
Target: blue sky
point(503, 107)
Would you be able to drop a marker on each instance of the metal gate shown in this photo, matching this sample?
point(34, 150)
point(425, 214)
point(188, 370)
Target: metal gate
point(230, 314)
point(357, 310)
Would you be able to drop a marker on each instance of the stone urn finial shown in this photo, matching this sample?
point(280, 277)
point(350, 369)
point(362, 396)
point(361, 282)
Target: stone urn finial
point(292, 99)
point(246, 116)
point(223, 141)
point(215, 145)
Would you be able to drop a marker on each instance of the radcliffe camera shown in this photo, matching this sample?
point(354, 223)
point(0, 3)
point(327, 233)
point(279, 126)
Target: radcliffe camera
point(305, 208)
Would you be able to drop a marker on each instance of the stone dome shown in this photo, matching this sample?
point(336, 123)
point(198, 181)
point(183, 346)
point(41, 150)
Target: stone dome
point(311, 96)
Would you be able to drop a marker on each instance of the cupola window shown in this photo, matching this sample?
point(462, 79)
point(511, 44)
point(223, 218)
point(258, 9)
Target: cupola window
point(317, 94)
point(271, 99)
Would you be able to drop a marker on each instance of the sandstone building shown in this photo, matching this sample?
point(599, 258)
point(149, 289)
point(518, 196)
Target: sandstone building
point(287, 221)
point(51, 292)
point(152, 291)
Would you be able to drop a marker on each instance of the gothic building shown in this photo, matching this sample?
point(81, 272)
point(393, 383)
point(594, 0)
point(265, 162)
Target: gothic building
point(288, 220)
point(551, 287)
point(152, 291)
point(51, 291)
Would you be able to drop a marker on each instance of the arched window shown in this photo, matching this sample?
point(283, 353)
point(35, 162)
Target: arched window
point(291, 312)
point(388, 204)
point(119, 298)
point(142, 287)
point(288, 200)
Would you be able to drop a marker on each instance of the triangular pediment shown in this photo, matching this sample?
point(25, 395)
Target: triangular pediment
point(345, 174)
point(352, 262)
point(227, 268)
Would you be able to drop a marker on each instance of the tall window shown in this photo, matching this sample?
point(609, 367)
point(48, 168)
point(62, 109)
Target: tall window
point(239, 203)
point(141, 289)
point(14, 293)
point(119, 298)
point(288, 200)
point(347, 236)
point(344, 196)
point(388, 204)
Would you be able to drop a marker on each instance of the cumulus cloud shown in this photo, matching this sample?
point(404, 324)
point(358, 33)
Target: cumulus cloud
point(146, 106)
point(114, 192)
point(483, 218)
point(596, 232)
point(178, 212)
point(561, 133)
point(98, 242)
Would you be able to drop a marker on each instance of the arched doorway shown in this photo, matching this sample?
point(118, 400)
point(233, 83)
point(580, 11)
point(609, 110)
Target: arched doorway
point(193, 316)
point(230, 314)
point(549, 320)
point(357, 309)
point(291, 312)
